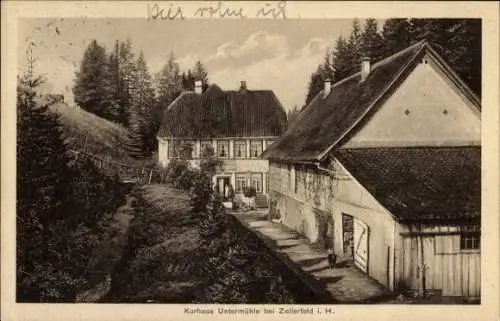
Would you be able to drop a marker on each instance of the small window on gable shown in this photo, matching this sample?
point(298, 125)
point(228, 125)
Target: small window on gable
point(470, 241)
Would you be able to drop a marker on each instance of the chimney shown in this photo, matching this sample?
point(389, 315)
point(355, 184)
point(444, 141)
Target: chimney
point(365, 68)
point(328, 87)
point(243, 85)
point(198, 86)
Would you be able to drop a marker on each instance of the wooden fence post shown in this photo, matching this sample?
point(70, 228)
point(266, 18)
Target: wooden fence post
point(150, 175)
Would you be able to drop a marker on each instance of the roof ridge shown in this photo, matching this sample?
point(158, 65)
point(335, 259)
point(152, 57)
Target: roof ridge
point(382, 61)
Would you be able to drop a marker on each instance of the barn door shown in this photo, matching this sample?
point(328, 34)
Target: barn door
point(361, 245)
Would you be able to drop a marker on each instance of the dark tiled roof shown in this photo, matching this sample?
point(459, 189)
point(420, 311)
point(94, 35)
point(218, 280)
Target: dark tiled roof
point(325, 121)
point(218, 113)
point(420, 183)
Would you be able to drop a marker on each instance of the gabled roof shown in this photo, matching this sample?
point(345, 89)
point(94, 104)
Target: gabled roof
point(420, 183)
point(218, 113)
point(326, 121)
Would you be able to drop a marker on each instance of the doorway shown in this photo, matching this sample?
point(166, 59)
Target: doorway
point(222, 185)
point(348, 236)
point(355, 241)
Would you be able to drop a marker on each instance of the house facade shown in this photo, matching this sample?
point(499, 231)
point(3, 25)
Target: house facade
point(384, 167)
point(238, 125)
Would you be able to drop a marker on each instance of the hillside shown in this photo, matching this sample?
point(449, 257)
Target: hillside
point(84, 131)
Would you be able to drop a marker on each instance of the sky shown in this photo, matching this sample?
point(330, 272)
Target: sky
point(277, 55)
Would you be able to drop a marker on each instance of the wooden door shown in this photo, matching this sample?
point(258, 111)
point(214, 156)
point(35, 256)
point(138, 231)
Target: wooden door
point(361, 252)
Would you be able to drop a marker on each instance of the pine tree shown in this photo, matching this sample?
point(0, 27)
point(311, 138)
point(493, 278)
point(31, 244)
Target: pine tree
point(396, 34)
point(92, 87)
point(168, 82)
point(342, 60)
point(354, 48)
point(316, 84)
point(43, 182)
point(142, 101)
point(200, 73)
point(188, 80)
point(372, 45)
point(115, 110)
point(126, 63)
point(292, 115)
point(463, 51)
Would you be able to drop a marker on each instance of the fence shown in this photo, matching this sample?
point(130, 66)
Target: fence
point(127, 173)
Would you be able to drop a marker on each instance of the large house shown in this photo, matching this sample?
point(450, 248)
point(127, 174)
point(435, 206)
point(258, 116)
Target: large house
point(385, 168)
point(238, 124)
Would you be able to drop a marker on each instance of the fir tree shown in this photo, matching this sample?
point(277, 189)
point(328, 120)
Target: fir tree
point(200, 73)
point(168, 82)
point(354, 48)
point(396, 35)
point(188, 81)
point(342, 60)
point(115, 110)
point(316, 84)
point(43, 181)
point(92, 87)
point(142, 101)
point(463, 51)
point(292, 114)
point(126, 63)
point(371, 41)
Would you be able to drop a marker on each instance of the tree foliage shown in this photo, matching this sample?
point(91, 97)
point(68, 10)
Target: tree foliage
point(457, 40)
point(92, 85)
point(63, 208)
point(142, 103)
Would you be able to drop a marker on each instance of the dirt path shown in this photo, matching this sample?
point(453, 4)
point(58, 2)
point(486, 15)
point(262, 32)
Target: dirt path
point(108, 254)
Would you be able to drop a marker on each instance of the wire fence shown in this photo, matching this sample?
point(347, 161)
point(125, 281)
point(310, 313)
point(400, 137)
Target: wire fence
point(125, 172)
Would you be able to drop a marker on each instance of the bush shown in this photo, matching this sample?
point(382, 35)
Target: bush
point(250, 192)
point(63, 208)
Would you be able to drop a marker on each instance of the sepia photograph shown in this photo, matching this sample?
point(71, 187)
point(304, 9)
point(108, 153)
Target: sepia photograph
point(330, 161)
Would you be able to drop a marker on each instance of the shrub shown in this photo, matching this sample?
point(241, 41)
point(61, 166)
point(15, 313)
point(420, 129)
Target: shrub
point(61, 206)
point(250, 192)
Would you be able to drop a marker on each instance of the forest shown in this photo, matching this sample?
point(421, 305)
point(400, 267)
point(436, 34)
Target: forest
point(458, 41)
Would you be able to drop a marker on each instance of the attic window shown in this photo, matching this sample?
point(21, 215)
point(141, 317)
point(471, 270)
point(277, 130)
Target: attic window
point(470, 241)
point(445, 112)
point(407, 112)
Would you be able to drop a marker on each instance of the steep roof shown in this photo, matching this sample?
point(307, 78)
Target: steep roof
point(218, 113)
point(420, 183)
point(326, 121)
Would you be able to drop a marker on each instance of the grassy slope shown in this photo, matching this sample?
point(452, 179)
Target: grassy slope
point(163, 238)
point(100, 137)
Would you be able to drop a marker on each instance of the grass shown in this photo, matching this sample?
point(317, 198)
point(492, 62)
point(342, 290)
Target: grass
point(163, 240)
point(84, 131)
point(162, 262)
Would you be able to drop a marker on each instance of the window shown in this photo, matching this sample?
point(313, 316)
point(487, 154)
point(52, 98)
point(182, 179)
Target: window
point(205, 144)
point(255, 149)
point(240, 149)
point(241, 182)
point(223, 148)
point(256, 182)
point(173, 148)
point(470, 241)
point(190, 144)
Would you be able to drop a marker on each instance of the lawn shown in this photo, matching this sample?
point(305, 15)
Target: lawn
point(84, 131)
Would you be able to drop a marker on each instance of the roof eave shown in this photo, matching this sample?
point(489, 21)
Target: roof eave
point(321, 156)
